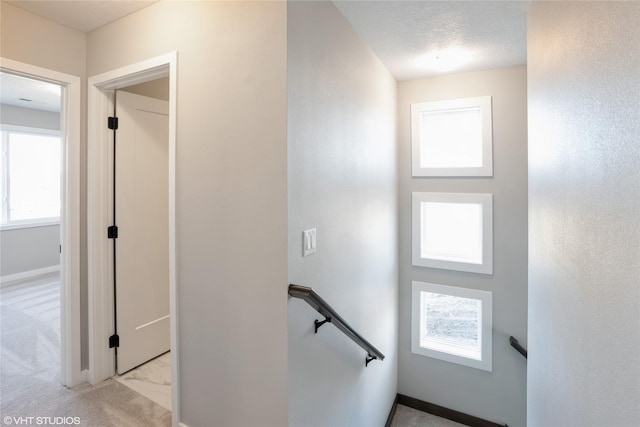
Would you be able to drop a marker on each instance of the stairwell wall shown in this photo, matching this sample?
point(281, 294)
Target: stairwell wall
point(584, 236)
point(499, 395)
point(343, 182)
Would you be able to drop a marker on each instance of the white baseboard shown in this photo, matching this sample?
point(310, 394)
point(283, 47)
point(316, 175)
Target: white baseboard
point(183, 425)
point(28, 274)
point(84, 374)
point(82, 377)
point(77, 378)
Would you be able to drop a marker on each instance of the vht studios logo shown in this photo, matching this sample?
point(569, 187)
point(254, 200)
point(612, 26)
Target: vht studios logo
point(39, 421)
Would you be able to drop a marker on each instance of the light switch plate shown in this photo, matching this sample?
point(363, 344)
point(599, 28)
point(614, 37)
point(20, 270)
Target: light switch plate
point(309, 242)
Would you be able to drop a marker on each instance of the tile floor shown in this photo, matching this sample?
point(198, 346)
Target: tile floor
point(152, 380)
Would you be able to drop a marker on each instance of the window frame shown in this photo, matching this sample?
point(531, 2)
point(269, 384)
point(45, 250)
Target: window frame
point(485, 105)
point(5, 222)
point(485, 200)
point(485, 328)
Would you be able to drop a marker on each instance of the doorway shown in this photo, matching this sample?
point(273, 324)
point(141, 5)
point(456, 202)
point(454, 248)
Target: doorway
point(143, 361)
point(103, 92)
point(141, 267)
point(30, 166)
point(71, 370)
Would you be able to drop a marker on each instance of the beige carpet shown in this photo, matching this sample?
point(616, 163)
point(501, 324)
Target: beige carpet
point(30, 363)
point(409, 417)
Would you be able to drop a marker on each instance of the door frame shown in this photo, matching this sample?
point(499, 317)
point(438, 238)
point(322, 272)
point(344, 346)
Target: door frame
point(100, 207)
point(71, 372)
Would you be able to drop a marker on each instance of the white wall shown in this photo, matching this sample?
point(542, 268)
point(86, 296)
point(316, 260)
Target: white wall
point(500, 395)
point(35, 40)
point(231, 198)
point(20, 116)
point(28, 249)
point(584, 210)
point(342, 181)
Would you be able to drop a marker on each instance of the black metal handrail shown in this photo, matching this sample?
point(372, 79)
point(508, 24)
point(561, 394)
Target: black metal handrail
point(515, 344)
point(330, 316)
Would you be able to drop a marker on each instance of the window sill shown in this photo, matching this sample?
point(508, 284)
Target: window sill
point(19, 226)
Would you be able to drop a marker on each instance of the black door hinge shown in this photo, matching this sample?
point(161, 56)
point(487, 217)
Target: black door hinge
point(114, 341)
point(112, 123)
point(60, 248)
point(112, 232)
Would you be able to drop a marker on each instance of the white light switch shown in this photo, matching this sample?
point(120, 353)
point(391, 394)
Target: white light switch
point(309, 242)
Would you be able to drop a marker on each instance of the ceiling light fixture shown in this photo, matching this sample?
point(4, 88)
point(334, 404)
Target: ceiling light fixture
point(444, 60)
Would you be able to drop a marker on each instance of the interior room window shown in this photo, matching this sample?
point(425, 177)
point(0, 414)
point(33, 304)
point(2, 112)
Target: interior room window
point(452, 324)
point(30, 176)
point(452, 138)
point(453, 231)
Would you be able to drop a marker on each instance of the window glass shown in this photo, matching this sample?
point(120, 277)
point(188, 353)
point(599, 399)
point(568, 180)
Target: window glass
point(32, 177)
point(451, 138)
point(451, 324)
point(452, 232)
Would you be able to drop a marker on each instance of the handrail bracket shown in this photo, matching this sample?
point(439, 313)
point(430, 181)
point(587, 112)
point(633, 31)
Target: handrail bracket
point(318, 323)
point(330, 316)
point(368, 359)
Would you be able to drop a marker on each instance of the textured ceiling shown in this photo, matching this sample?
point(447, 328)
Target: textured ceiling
point(83, 15)
point(407, 36)
point(29, 93)
point(412, 38)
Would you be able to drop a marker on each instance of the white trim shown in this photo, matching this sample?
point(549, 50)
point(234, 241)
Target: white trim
point(173, 239)
point(70, 118)
point(482, 102)
point(84, 374)
point(31, 274)
point(486, 324)
point(99, 203)
point(17, 225)
point(484, 200)
point(99, 255)
point(29, 129)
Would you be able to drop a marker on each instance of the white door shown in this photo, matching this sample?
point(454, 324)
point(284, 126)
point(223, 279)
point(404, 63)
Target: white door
point(142, 246)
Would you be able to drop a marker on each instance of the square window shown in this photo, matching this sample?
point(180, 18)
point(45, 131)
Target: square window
point(452, 324)
point(453, 231)
point(452, 138)
point(30, 175)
